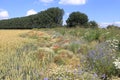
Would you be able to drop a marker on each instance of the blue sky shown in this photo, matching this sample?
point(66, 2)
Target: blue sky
point(103, 12)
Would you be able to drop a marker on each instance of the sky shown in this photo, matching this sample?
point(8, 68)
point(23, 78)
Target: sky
point(104, 12)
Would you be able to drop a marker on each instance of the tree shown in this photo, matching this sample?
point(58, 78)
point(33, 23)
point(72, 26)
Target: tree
point(112, 26)
point(92, 24)
point(76, 19)
point(51, 17)
point(55, 15)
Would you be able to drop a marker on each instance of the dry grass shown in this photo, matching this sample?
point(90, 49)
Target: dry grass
point(10, 39)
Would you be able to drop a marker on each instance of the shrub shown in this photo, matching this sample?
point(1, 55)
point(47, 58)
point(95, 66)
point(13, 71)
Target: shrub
point(92, 24)
point(74, 46)
point(92, 35)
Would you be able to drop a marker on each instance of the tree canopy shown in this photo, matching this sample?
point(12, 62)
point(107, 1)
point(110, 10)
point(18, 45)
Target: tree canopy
point(92, 24)
point(76, 19)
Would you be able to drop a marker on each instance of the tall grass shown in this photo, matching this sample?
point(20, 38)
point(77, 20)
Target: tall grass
point(58, 53)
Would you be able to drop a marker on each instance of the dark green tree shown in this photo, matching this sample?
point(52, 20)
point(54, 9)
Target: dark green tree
point(92, 24)
point(51, 17)
point(112, 26)
point(55, 16)
point(76, 19)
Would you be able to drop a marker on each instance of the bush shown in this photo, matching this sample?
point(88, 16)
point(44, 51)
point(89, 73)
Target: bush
point(92, 35)
point(92, 24)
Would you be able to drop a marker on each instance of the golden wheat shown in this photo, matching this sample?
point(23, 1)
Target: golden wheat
point(10, 40)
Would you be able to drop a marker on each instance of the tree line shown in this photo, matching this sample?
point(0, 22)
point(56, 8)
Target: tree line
point(52, 17)
point(45, 19)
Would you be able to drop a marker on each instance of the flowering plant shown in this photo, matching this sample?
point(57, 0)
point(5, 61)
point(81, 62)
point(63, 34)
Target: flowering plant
point(114, 44)
point(117, 63)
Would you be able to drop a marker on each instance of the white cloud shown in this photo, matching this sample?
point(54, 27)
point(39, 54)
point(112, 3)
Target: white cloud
point(3, 14)
point(67, 14)
point(46, 1)
point(31, 12)
point(105, 24)
point(117, 23)
point(72, 2)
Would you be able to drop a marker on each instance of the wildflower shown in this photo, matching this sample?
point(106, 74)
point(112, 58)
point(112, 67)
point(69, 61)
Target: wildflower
point(103, 76)
point(117, 63)
point(95, 75)
point(45, 78)
point(114, 44)
point(55, 47)
point(80, 72)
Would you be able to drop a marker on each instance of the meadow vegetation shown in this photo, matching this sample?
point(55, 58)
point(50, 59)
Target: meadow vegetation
point(60, 54)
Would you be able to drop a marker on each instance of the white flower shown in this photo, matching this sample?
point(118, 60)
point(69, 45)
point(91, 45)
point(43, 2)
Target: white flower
point(113, 44)
point(117, 63)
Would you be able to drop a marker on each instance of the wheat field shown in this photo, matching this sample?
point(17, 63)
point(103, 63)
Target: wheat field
point(10, 39)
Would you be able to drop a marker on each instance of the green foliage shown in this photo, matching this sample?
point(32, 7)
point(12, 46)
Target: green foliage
point(76, 19)
point(51, 17)
point(92, 35)
point(92, 24)
point(74, 46)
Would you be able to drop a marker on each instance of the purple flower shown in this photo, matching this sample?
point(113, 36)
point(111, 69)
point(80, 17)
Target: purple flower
point(45, 78)
point(92, 54)
point(80, 72)
point(95, 75)
point(103, 76)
